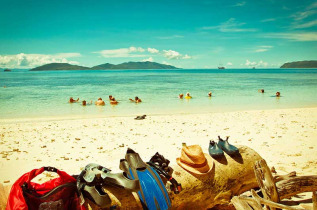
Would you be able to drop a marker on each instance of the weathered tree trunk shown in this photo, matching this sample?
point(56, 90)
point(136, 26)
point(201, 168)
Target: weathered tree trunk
point(266, 182)
point(278, 178)
point(243, 202)
point(295, 185)
point(286, 186)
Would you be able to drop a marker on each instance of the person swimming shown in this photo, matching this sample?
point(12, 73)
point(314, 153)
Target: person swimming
point(84, 103)
point(181, 96)
point(209, 94)
point(136, 99)
point(71, 100)
point(188, 96)
point(277, 94)
point(110, 97)
point(113, 101)
point(261, 90)
point(100, 102)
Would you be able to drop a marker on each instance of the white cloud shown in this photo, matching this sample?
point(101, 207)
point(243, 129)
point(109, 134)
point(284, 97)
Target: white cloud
point(300, 36)
point(186, 57)
point(266, 46)
point(268, 20)
point(305, 25)
point(240, 4)
point(256, 64)
point(170, 37)
point(249, 63)
point(122, 52)
point(152, 50)
point(262, 64)
point(231, 25)
point(171, 54)
point(148, 59)
point(31, 60)
point(300, 18)
point(263, 48)
point(303, 15)
point(229, 64)
point(140, 52)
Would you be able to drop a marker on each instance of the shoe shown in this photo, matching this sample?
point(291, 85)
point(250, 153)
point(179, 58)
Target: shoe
point(226, 147)
point(214, 150)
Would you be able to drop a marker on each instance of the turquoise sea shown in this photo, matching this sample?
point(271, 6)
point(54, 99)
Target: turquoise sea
point(46, 93)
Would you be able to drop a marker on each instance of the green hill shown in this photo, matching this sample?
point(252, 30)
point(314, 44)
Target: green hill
point(103, 66)
point(135, 65)
point(128, 65)
point(59, 66)
point(300, 64)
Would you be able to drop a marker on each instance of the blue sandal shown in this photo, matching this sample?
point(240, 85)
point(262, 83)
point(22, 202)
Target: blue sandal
point(226, 147)
point(214, 150)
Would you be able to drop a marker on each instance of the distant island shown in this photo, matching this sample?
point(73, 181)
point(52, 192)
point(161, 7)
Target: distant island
point(106, 66)
point(59, 66)
point(300, 64)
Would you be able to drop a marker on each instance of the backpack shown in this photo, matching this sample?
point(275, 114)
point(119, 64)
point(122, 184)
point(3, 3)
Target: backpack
point(58, 193)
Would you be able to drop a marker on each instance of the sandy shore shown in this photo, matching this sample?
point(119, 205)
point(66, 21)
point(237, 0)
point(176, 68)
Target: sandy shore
point(287, 139)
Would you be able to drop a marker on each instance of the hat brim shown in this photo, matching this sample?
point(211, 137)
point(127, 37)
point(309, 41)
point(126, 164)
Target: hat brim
point(201, 170)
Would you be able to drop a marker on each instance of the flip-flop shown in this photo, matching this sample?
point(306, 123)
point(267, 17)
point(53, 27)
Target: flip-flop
point(226, 147)
point(214, 150)
point(140, 117)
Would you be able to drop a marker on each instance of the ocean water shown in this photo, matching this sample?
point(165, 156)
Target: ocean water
point(46, 93)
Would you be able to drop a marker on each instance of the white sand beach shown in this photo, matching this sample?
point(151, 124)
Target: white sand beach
point(286, 138)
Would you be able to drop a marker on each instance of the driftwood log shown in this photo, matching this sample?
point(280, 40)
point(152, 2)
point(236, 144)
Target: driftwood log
point(254, 203)
point(266, 182)
point(295, 185)
point(275, 189)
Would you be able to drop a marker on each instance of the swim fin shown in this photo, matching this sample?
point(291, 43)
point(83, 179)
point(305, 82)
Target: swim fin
point(152, 194)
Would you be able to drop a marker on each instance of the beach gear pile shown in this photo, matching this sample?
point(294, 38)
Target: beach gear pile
point(70, 192)
point(147, 179)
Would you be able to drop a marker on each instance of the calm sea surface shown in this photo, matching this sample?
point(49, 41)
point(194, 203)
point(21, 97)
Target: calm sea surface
point(46, 93)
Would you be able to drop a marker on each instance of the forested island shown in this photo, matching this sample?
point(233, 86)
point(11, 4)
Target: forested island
point(127, 65)
point(300, 64)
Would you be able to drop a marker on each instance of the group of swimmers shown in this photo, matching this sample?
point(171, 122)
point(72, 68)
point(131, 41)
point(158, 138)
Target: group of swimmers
point(188, 96)
point(113, 101)
point(100, 102)
point(277, 94)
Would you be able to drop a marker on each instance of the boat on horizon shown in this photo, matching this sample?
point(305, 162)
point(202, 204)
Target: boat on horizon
point(220, 66)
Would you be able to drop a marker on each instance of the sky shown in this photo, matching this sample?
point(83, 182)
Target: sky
point(184, 33)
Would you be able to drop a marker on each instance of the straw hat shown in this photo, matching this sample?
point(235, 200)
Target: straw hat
point(194, 160)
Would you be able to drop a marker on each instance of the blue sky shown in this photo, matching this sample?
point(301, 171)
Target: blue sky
point(187, 33)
